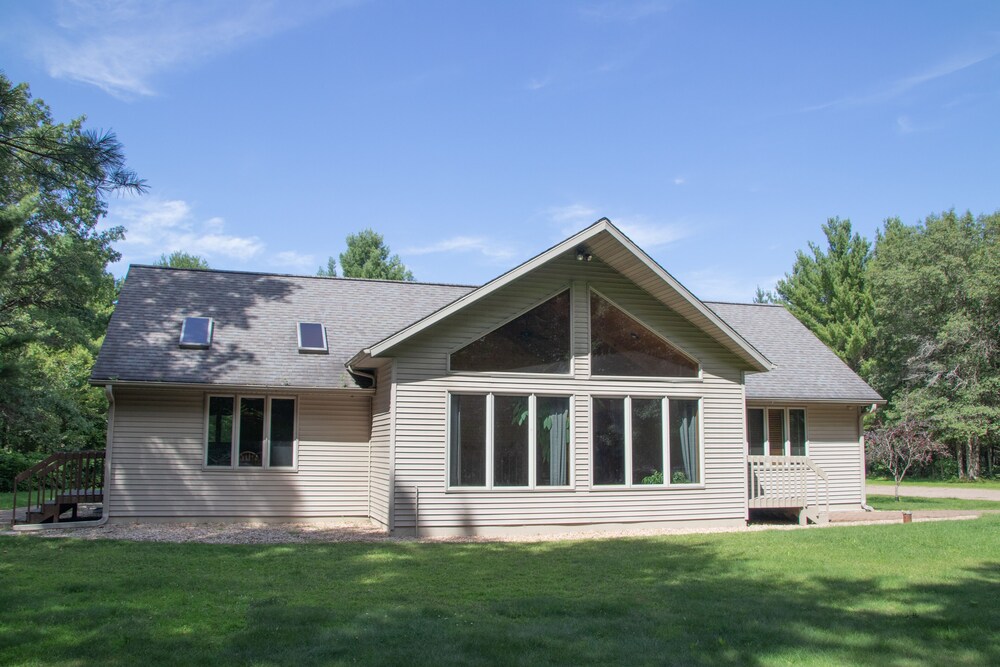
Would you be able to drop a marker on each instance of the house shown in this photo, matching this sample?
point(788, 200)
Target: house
point(585, 387)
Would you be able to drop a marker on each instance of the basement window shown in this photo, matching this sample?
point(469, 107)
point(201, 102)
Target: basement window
point(312, 338)
point(196, 332)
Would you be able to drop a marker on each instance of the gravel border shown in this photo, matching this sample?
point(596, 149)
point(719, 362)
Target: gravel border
point(293, 533)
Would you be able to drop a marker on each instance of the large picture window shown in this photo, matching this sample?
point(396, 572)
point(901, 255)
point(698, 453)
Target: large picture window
point(630, 447)
point(498, 441)
point(250, 432)
point(537, 341)
point(622, 346)
point(776, 431)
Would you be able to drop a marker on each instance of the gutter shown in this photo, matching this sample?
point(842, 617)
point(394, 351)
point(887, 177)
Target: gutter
point(226, 387)
point(370, 376)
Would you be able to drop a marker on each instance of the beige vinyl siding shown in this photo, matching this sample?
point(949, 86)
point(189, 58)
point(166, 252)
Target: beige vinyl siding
point(421, 414)
point(159, 449)
point(832, 431)
point(832, 444)
point(381, 437)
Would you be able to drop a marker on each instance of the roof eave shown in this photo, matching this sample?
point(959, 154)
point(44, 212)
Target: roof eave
point(744, 349)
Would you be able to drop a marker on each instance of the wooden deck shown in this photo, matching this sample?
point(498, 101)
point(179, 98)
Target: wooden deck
point(789, 483)
point(59, 484)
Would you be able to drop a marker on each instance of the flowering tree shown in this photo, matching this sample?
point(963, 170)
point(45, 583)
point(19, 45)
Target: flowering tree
point(901, 445)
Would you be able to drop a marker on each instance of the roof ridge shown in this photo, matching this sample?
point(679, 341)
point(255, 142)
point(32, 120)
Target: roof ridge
point(298, 275)
point(738, 303)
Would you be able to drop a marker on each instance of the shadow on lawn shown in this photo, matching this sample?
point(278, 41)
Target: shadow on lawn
point(630, 601)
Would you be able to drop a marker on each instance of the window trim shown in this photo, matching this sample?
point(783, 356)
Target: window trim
point(266, 442)
point(312, 350)
point(490, 485)
point(197, 346)
point(565, 287)
point(786, 416)
point(633, 378)
point(630, 484)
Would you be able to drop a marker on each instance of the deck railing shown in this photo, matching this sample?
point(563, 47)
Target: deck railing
point(786, 482)
point(62, 477)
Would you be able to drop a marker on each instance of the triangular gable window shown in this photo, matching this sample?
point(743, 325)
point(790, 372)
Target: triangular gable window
point(622, 346)
point(537, 341)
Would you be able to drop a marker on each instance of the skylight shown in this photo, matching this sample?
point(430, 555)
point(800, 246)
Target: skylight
point(196, 332)
point(312, 337)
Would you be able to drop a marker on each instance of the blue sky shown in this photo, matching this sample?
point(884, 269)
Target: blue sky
point(719, 135)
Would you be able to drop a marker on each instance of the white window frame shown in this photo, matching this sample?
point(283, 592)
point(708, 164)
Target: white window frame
point(532, 443)
point(665, 444)
point(312, 350)
point(569, 373)
point(632, 378)
point(197, 346)
point(786, 448)
point(234, 444)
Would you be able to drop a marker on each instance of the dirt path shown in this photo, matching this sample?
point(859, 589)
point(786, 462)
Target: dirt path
point(968, 492)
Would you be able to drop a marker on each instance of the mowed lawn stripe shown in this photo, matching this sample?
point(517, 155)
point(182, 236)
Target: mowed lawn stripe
point(900, 594)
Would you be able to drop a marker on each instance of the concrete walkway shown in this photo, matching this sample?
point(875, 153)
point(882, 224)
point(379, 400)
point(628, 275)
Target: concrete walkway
point(897, 516)
point(966, 491)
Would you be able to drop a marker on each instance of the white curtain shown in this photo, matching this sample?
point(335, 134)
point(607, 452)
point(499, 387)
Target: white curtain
point(557, 449)
point(688, 428)
point(456, 441)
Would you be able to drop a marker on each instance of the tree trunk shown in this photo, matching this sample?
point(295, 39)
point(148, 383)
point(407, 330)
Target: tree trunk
point(989, 461)
point(972, 458)
point(960, 460)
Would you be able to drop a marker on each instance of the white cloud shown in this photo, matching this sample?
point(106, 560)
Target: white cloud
point(906, 84)
point(680, 180)
point(161, 226)
point(295, 261)
point(573, 213)
point(648, 234)
point(484, 246)
point(715, 284)
point(537, 84)
point(120, 46)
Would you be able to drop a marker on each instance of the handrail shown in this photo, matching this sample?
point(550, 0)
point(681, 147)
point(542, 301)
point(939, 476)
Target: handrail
point(50, 479)
point(783, 481)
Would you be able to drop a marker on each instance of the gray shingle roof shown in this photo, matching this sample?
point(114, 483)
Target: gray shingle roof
point(255, 343)
point(255, 317)
point(805, 368)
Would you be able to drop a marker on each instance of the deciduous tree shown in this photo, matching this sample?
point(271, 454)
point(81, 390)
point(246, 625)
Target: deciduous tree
point(901, 445)
point(936, 289)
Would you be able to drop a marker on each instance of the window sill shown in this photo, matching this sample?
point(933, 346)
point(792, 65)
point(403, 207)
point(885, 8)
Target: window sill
point(645, 488)
point(255, 469)
point(640, 378)
point(509, 489)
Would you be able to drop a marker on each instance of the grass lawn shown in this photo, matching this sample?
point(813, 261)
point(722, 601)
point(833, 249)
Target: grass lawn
point(912, 503)
point(7, 499)
point(979, 484)
point(922, 593)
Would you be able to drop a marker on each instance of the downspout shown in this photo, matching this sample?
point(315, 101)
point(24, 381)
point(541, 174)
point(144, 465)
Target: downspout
point(864, 468)
point(106, 505)
point(370, 376)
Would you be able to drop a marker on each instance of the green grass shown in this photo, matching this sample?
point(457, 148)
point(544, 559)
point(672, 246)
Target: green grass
point(912, 503)
point(7, 499)
point(979, 484)
point(881, 595)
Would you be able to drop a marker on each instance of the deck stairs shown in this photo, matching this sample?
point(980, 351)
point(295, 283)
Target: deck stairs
point(59, 484)
point(791, 484)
